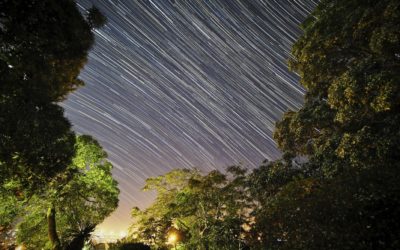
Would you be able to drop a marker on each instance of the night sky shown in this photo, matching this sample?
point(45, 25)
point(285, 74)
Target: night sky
point(183, 84)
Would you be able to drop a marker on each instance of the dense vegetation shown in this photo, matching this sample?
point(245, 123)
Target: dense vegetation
point(337, 185)
point(55, 187)
point(75, 205)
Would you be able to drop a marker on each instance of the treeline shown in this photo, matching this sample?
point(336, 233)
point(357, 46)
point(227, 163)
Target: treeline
point(55, 187)
point(337, 185)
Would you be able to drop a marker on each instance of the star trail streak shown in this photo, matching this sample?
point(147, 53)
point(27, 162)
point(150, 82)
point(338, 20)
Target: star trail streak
point(181, 84)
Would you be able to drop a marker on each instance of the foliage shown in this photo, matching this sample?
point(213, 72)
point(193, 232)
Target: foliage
point(129, 246)
point(10, 206)
point(205, 211)
point(95, 18)
point(36, 142)
point(348, 60)
point(43, 46)
point(84, 199)
point(353, 211)
point(152, 224)
point(10, 203)
point(345, 196)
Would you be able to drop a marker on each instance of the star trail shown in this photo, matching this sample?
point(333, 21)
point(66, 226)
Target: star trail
point(183, 84)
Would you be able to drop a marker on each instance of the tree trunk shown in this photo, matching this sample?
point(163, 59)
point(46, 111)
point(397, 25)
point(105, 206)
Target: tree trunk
point(52, 230)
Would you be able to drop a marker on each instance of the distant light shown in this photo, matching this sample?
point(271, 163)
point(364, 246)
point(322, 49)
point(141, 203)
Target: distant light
point(100, 233)
point(123, 234)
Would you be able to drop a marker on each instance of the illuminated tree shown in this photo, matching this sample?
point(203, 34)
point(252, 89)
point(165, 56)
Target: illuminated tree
point(151, 225)
point(209, 211)
point(348, 60)
point(85, 198)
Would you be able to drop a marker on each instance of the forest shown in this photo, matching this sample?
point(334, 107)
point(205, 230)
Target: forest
point(335, 187)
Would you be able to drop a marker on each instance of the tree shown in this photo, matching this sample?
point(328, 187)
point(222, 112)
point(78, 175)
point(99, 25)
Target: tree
point(73, 209)
point(348, 62)
point(151, 225)
point(266, 184)
point(95, 18)
point(219, 208)
point(207, 211)
point(346, 195)
point(36, 143)
point(43, 47)
point(354, 211)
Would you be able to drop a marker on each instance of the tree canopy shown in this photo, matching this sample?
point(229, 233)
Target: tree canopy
point(348, 60)
point(202, 211)
point(43, 166)
point(346, 196)
point(80, 203)
point(43, 47)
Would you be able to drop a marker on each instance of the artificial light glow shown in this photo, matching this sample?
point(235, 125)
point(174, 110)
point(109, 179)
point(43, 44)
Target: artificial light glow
point(172, 238)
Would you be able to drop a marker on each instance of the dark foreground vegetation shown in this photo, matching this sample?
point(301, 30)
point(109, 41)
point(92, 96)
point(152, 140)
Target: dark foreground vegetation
point(55, 187)
point(336, 187)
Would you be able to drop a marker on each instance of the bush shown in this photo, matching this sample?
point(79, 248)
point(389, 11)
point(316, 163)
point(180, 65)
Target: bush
point(130, 246)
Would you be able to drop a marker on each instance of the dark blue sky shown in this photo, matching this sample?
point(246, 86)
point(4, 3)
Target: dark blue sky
point(182, 84)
